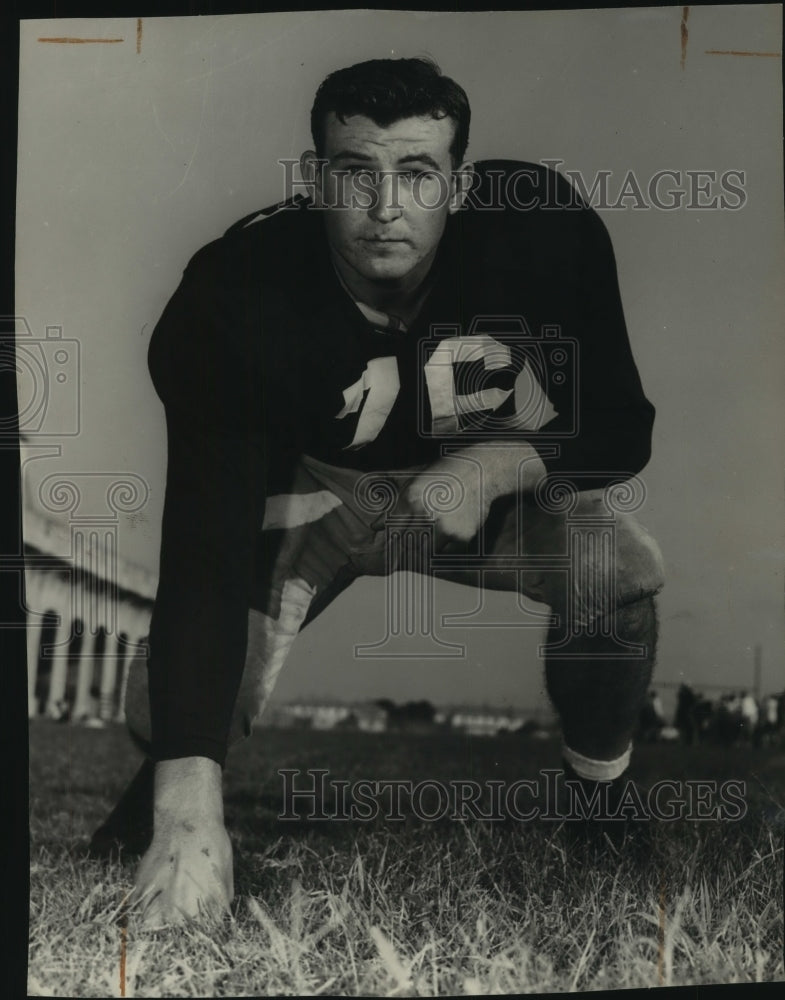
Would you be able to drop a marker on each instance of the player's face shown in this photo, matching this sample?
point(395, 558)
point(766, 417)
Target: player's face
point(387, 194)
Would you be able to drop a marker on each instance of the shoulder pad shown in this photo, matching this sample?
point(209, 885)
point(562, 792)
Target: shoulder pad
point(267, 213)
point(520, 185)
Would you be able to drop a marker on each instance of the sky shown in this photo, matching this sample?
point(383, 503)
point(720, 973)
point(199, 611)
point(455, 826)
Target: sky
point(134, 153)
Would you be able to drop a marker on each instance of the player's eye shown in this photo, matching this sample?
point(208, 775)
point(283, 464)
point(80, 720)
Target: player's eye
point(418, 174)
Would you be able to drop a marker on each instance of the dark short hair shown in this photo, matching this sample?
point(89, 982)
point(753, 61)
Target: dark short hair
point(387, 90)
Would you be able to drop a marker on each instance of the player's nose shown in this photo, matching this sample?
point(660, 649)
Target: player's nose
point(386, 205)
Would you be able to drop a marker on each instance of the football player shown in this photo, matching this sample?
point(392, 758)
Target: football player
point(444, 335)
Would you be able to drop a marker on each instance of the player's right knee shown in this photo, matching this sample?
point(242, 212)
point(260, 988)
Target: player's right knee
point(640, 570)
point(604, 579)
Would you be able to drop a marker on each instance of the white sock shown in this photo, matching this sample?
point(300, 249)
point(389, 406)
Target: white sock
point(597, 770)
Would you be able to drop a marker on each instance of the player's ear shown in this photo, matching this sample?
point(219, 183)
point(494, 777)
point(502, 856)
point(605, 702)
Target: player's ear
point(311, 170)
point(461, 184)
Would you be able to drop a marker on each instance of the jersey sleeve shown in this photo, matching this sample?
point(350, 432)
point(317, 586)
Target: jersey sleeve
point(538, 269)
point(604, 421)
point(202, 362)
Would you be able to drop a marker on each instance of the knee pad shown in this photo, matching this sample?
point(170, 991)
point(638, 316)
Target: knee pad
point(640, 570)
point(612, 568)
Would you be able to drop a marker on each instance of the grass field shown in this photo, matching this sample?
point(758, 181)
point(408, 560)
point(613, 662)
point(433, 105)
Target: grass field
point(409, 908)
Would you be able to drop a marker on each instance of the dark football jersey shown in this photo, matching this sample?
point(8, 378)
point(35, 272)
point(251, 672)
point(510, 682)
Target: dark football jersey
point(522, 335)
point(261, 356)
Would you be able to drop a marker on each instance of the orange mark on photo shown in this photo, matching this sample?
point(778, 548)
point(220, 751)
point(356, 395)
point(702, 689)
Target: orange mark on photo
point(81, 41)
point(735, 52)
point(123, 943)
point(685, 13)
point(661, 938)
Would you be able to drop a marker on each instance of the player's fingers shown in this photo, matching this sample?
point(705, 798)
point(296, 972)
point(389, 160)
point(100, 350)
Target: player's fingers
point(160, 911)
point(176, 905)
point(145, 903)
point(217, 905)
point(406, 502)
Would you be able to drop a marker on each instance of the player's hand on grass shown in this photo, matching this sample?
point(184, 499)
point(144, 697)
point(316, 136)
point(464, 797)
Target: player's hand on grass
point(185, 875)
point(187, 870)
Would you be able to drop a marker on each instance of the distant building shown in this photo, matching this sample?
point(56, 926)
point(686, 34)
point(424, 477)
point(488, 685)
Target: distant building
point(385, 716)
point(329, 715)
point(485, 722)
point(368, 719)
point(88, 615)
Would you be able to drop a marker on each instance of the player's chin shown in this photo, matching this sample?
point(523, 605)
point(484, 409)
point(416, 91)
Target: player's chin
point(387, 269)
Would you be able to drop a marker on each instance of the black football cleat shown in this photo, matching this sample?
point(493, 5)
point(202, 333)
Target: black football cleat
point(608, 817)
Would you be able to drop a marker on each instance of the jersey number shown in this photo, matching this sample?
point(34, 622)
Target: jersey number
point(381, 382)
